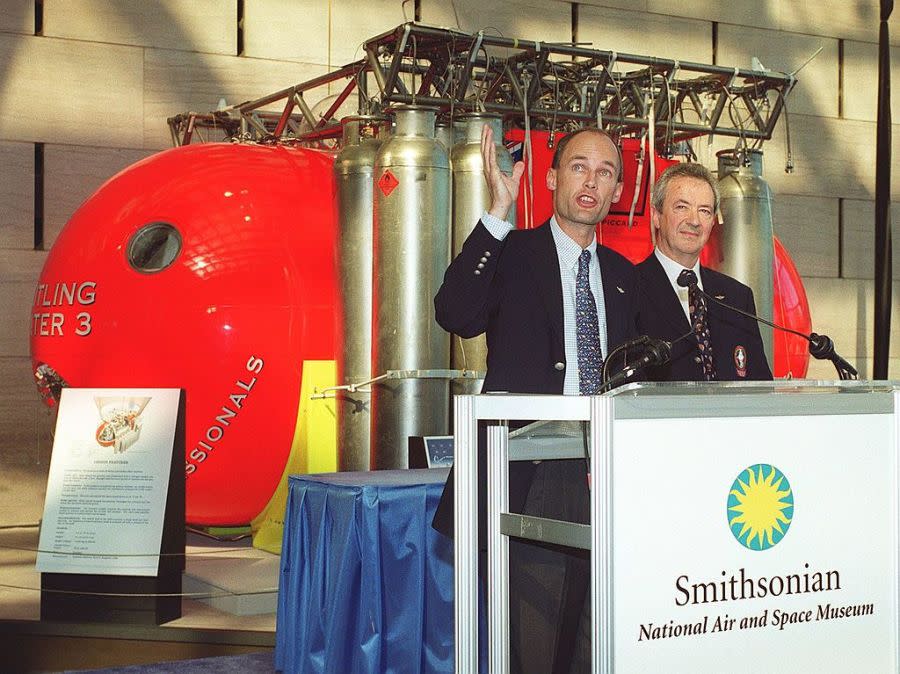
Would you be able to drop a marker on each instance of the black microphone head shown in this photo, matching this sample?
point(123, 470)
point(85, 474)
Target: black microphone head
point(660, 351)
point(687, 278)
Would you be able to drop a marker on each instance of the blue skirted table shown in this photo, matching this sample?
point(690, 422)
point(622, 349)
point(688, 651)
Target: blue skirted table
point(366, 584)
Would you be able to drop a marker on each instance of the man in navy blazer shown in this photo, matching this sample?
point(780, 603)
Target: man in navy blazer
point(685, 201)
point(517, 286)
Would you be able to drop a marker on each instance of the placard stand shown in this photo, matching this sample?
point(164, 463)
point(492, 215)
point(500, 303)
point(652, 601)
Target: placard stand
point(134, 599)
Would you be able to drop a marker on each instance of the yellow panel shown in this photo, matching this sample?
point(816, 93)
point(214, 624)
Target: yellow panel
point(72, 174)
point(198, 25)
point(292, 30)
point(313, 450)
point(858, 241)
point(63, 91)
point(177, 82)
point(808, 229)
point(16, 195)
point(817, 90)
point(646, 34)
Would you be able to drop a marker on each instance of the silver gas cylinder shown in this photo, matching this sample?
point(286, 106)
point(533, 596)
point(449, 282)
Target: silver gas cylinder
point(353, 170)
point(745, 236)
point(412, 251)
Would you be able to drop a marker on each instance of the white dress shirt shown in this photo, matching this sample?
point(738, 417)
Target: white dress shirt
point(568, 252)
point(673, 270)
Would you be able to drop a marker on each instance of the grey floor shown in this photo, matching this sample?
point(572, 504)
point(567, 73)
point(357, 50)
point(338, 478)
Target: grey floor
point(228, 664)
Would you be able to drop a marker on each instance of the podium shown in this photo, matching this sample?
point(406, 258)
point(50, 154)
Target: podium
point(738, 527)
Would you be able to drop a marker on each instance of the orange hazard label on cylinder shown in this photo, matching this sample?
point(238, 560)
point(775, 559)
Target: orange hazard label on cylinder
point(387, 183)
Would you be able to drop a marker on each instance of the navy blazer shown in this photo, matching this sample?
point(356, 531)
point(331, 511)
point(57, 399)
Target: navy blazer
point(660, 314)
point(511, 290)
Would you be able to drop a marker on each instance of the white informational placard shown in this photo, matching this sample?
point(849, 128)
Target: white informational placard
point(756, 545)
point(108, 482)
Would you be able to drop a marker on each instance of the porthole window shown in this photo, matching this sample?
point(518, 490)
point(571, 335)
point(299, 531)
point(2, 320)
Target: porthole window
point(153, 247)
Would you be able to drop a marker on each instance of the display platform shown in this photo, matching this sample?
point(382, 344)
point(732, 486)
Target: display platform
point(240, 579)
point(212, 568)
point(366, 584)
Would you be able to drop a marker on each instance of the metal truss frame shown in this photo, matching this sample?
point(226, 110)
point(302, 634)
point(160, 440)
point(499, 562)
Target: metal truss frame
point(532, 84)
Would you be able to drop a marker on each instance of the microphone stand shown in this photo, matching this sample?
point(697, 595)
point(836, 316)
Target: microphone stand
point(821, 347)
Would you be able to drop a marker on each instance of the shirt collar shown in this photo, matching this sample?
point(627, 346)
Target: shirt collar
point(566, 247)
point(673, 269)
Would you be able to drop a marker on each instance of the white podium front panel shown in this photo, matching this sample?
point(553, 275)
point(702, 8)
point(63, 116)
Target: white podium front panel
point(735, 527)
point(754, 543)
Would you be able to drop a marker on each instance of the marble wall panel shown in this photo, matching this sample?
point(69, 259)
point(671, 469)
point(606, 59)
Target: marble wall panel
point(19, 271)
point(288, 30)
point(645, 34)
point(858, 239)
point(26, 424)
point(832, 157)
point(759, 13)
point(849, 20)
point(808, 227)
point(860, 81)
point(16, 195)
point(17, 17)
point(177, 82)
point(64, 91)
point(843, 310)
point(352, 24)
point(816, 92)
point(549, 21)
point(199, 25)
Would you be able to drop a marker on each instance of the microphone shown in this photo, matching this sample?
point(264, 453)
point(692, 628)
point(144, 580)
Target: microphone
point(821, 347)
point(656, 352)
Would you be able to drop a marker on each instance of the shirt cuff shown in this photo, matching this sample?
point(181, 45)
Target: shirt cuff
point(497, 227)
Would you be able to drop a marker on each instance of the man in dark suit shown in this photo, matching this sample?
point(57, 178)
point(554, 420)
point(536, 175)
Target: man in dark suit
point(724, 346)
point(552, 303)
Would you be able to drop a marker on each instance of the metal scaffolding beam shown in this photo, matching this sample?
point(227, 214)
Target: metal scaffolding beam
point(558, 86)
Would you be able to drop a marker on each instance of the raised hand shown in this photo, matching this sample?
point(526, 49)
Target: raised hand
point(503, 188)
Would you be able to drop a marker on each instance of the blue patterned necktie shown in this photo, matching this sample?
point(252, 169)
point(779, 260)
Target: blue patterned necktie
point(587, 330)
point(700, 324)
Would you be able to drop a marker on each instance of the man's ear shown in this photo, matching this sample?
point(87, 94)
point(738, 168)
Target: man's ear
point(617, 194)
point(654, 218)
point(551, 179)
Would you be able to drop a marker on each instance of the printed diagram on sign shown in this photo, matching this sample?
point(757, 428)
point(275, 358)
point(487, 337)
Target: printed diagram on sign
point(120, 422)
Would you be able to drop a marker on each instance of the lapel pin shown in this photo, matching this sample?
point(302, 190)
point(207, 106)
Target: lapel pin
point(740, 361)
point(620, 290)
point(720, 297)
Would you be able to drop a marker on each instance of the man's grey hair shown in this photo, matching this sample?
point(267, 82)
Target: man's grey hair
point(697, 171)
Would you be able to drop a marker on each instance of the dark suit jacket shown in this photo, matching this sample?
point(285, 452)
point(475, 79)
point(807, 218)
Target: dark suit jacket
point(660, 315)
point(515, 296)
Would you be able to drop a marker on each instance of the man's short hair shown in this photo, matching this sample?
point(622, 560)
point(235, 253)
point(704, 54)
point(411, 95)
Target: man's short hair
point(697, 171)
point(562, 142)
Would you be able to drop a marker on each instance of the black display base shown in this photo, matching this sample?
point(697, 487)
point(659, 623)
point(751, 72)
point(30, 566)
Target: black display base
point(72, 597)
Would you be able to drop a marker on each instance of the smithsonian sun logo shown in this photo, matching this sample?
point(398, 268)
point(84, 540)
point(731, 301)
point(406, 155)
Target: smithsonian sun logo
point(760, 507)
